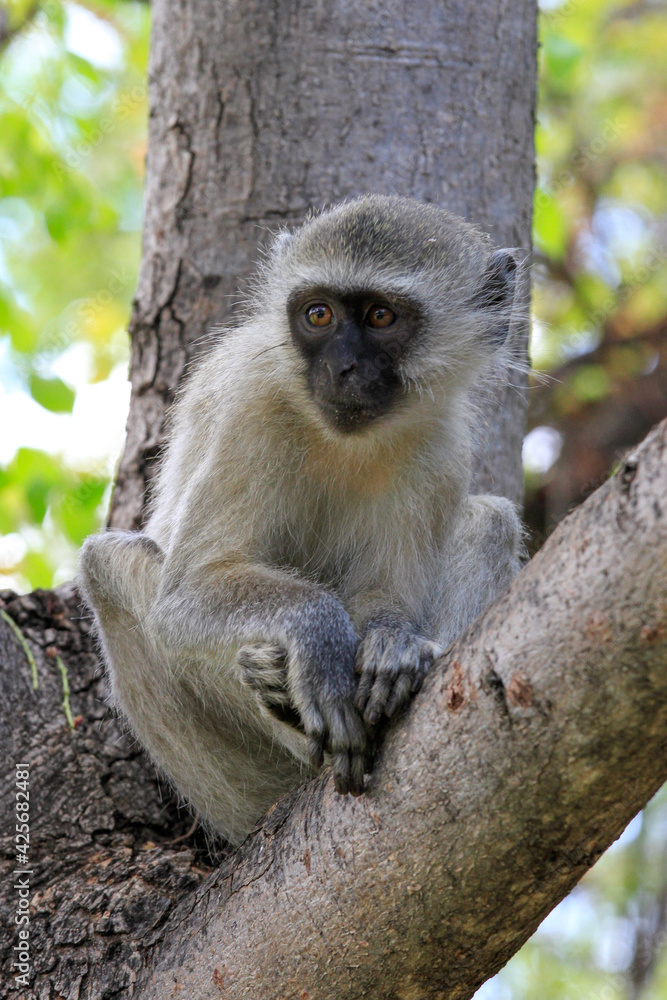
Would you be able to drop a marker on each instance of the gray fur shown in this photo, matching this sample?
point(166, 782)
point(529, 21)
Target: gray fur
point(293, 582)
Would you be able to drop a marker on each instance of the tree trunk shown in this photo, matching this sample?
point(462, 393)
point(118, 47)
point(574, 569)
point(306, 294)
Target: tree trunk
point(260, 111)
point(98, 884)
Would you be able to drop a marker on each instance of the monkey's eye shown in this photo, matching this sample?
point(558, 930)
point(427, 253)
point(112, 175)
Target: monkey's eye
point(380, 316)
point(319, 315)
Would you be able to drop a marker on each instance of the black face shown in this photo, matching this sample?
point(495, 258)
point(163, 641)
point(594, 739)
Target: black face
point(353, 345)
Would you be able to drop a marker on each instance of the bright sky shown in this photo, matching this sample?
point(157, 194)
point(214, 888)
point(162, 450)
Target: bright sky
point(88, 437)
point(92, 435)
point(92, 38)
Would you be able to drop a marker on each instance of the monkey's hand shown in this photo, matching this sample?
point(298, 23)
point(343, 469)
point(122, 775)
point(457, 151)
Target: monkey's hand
point(393, 662)
point(312, 688)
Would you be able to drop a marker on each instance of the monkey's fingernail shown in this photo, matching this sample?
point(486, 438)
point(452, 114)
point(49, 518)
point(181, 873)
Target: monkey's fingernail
point(373, 718)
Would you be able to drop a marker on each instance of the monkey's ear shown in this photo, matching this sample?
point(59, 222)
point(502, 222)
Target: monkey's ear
point(497, 293)
point(280, 243)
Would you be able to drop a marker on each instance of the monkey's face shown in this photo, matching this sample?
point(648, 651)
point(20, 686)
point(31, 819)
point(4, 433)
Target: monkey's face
point(353, 344)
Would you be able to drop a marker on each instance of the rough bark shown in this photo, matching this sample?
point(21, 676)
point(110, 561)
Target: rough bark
point(261, 110)
point(536, 739)
point(104, 873)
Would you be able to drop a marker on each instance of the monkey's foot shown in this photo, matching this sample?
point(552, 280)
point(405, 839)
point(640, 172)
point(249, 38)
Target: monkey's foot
point(264, 669)
point(393, 663)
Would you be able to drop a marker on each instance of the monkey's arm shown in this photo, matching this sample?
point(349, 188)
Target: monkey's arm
point(480, 558)
point(269, 620)
point(483, 557)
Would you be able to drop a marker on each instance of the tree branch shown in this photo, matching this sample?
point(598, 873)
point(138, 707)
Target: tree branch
point(541, 734)
point(535, 740)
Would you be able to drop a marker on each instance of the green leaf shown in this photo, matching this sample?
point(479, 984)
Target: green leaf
point(77, 511)
point(18, 325)
point(549, 225)
point(561, 58)
point(38, 568)
point(52, 393)
point(590, 383)
point(27, 486)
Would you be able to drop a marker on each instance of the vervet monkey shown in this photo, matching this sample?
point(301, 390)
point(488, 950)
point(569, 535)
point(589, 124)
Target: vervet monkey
point(312, 546)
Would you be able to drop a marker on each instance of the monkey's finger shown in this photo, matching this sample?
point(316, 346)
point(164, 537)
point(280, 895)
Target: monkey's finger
point(363, 655)
point(263, 669)
point(364, 689)
point(400, 694)
point(276, 697)
point(378, 698)
point(316, 751)
point(357, 774)
point(420, 674)
point(313, 723)
point(341, 771)
point(430, 652)
point(346, 730)
point(417, 681)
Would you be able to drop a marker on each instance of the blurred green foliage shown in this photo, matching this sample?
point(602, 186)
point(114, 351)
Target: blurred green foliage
point(600, 335)
point(72, 147)
point(600, 235)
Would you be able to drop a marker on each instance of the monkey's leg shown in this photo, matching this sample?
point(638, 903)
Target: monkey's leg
point(120, 569)
point(119, 573)
point(192, 712)
point(484, 557)
point(227, 604)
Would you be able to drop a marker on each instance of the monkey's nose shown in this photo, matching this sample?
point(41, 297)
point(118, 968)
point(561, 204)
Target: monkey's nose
point(347, 368)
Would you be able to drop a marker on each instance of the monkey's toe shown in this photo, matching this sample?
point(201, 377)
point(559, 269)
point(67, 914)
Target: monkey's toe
point(264, 668)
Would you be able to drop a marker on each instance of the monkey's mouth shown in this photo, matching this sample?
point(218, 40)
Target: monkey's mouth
point(350, 403)
point(350, 416)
